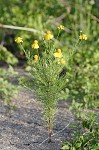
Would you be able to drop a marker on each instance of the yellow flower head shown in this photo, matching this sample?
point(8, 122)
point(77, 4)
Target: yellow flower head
point(60, 27)
point(58, 54)
point(48, 35)
point(83, 37)
point(35, 44)
point(19, 40)
point(61, 61)
point(35, 58)
point(59, 51)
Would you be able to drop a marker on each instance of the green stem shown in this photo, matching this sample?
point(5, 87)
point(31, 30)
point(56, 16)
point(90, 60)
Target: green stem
point(49, 127)
point(22, 48)
point(27, 56)
point(58, 34)
point(75, 46)
point(49, 116)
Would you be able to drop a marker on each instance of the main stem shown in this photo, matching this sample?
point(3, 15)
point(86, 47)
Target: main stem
point(49, 116)
point(49, 127)
point(50, 133)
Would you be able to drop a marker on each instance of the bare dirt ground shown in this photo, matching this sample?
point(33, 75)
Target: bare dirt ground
point(24, 128)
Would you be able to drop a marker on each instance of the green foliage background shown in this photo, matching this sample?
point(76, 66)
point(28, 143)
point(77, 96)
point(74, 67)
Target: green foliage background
point(76, 16)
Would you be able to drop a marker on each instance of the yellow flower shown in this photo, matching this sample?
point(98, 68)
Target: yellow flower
point(60, 27)
point(48, 35)
point(19, 40)
point(35, 44)
point(61, 61)
point(35, 58)
point(58, 53)
point(83, 37)
point(59, 50)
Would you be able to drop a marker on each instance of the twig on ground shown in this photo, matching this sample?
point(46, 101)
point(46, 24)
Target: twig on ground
point(57, 132)
point(20, 28)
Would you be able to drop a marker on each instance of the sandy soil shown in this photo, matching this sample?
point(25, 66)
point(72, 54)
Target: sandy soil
point(24, 128)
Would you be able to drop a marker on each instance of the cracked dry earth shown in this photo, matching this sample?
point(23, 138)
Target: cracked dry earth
point(24, 129)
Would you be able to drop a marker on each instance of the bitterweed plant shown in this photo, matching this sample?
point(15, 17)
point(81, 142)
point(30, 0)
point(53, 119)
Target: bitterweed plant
point(48, 63)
